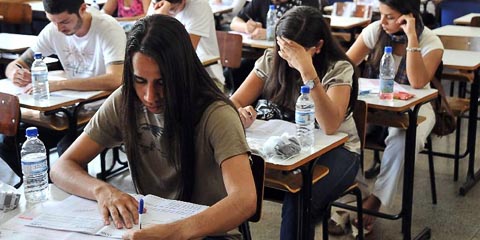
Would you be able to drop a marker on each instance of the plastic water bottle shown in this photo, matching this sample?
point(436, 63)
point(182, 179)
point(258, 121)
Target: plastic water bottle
point(271, 22)
point(34, 167)
point(387, 74)
point(39, 71)
point(305, 118)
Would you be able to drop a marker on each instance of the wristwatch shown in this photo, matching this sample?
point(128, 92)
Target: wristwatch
point(311, 83)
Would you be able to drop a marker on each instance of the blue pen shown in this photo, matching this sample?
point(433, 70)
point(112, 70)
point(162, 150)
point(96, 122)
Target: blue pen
point(140, 212)
point(364, 92)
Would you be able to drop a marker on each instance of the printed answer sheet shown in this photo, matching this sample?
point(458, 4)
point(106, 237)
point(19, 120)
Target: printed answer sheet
point(76, 214)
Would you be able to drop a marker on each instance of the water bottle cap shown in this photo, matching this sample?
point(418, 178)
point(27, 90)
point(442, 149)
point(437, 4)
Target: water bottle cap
point(37, 55)
point(31, 132)
point(305, 89)
point(388, 49)
point(271, 7)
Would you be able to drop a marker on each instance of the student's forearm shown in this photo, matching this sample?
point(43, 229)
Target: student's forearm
point(220, 218)
point(238, 25)
point(74, 179)
point(106, 82)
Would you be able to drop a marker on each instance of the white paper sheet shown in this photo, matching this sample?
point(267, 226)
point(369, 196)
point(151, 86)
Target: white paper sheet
point(81, 215)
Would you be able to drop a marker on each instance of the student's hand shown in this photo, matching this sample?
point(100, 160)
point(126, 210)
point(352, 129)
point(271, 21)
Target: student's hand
point(21, 77)
point(251, 25)
point(407, 23)
point(247, 115)
point(120, 206)
point(157, 231)
point(295, 54)
point(162, 7)
point(259, 34)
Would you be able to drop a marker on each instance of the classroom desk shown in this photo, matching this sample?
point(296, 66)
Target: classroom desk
point(219, 9)
point(253, 43)
point(208, 60)
point(408, 109)
point(465, 20)
point(56, 194)
point(305, 161)
point(16, 43)
point(468, 60)
point(457, 31)
point(349, 24)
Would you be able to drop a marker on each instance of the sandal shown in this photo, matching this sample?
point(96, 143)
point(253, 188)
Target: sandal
point(355, 230)
point(338, 223)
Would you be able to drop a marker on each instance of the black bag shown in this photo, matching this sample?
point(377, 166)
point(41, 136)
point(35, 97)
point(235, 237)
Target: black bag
point(445, 120)
point(267, 110)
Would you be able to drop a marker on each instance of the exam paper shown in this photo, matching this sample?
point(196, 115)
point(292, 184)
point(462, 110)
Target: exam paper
point(81, 215)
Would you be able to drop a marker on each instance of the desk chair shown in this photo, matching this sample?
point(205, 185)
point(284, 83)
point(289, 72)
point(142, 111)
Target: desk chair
point(9, 125)
point(16, 13)
point(230, 46)
point(258, 171)
point(460, 105)
point(352, 9)
point(475, 22)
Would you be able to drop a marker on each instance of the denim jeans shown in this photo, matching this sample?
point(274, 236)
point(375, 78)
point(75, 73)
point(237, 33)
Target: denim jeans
point(343, 166)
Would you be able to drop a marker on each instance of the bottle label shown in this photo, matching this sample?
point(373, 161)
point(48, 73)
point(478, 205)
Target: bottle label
point(35, 167)
point(304, 117)
point(386, 85)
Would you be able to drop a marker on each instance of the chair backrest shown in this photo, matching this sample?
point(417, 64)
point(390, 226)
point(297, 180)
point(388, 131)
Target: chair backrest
point(16, 13)
point(230, 46)
point(360, 117)
point(351, 9)
point(258, 171)
point(475, 21)
point(10, 114)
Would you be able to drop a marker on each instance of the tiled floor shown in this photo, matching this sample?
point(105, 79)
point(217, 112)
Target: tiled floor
point(454, 217)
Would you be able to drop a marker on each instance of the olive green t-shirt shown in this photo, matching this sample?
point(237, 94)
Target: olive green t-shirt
point(219, 135)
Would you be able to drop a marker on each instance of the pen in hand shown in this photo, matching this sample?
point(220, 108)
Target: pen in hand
point(140, 212)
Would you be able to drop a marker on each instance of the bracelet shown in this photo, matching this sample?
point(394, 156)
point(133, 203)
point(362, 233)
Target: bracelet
point(413, 49)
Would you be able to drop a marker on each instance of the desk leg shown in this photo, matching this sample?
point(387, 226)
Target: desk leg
point(472, 176)
point(408, 173)
point(408, 178)
point(305, 202)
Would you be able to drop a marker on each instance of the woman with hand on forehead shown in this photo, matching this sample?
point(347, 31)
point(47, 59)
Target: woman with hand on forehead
point(308, 56)
point(417, 52)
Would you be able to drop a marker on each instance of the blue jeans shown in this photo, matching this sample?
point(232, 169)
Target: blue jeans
point(343, 166)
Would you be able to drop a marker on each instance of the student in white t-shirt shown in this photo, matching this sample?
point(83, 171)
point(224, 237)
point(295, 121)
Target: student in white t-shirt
point(417, 52)
point(90, 46)
point(197, 17)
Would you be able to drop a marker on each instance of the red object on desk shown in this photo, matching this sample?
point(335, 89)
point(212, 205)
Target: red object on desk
point(402, 95)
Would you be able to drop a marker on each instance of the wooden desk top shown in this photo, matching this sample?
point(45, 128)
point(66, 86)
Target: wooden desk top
point(208, 60)
point(458, 31)
point(373, 101)
point(16, 43)
point(461, 59)
point(465, 20)
point(248, 42)
point(346, 23)
point(220, 8)
point(323, 143)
